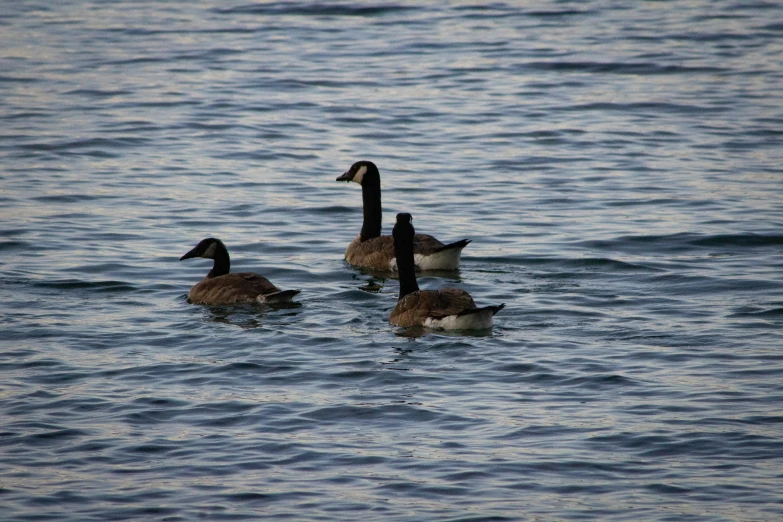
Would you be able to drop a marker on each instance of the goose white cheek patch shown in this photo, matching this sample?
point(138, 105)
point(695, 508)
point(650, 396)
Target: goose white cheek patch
point(209, 252)
point(359, 176)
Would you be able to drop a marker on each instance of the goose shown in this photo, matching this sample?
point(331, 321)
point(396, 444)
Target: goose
point(447, 309)
point(219, 287)
point(372, 250)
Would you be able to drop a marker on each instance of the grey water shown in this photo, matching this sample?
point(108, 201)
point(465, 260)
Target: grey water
point(618, 166)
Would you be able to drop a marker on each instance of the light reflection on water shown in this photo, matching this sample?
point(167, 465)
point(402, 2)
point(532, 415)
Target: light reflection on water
point(618, 170)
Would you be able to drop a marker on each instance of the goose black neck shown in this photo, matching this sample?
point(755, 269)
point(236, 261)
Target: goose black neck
point(222, 263)
point(371, 201)
point(406, 267)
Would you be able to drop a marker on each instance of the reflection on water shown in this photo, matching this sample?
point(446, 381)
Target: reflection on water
point(248, 316)
point(372, 285)
point(418, 332)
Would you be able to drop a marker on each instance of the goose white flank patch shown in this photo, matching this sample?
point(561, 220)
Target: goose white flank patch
point(448, 309)
point(220, 287)
point(372, 250)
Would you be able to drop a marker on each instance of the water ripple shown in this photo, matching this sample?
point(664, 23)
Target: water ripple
point(617, 168)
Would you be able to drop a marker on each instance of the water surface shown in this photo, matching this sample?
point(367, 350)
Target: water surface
point(618, 169)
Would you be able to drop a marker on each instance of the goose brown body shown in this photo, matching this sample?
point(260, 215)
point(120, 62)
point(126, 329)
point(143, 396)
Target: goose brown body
point(242, 287)
point(415, 308)
point(448, 308)
point(377, 253)
point(220, 287)
point(372, 250)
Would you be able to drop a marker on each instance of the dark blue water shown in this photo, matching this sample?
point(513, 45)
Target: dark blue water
point(618, 167)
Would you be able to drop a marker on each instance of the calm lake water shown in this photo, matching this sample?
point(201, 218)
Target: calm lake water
point(618, 166)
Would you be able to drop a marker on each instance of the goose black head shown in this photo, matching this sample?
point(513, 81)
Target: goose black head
point(206, 248)
point(361, 171)
point(403, 229)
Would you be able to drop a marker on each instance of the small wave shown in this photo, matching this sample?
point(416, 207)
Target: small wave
point(164, 104)
point(539, 431)
point(483, 12)
point(772, 312)
point(265, 156)
point(97, 93)
point(517, 368)
point(19, 79)
point(313, 9)
point(159, 402)
point(70, 198)
point(555, 14)
point(600, 262)
point(76, 284)
point(657, 107)
point(137, 60)
point(13, 245)
point(764, 419)
point(592, 382)
point(684, 241)
point(333, 209)
point(739, 444)
point(247, 367)
point(60, 378)
point(53, 437)
point(78, 145)
point(151, 448)
point(369, 413)
point(601, 381)
point(574, 263)
point(666, 489)
point(642, 68)
point(27, 115)
point(637, 202)
point(743, 240)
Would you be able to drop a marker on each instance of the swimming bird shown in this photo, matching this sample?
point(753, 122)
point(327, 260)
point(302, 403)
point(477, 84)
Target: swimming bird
point(220, 287)
point(448, 308)
point(372, 250)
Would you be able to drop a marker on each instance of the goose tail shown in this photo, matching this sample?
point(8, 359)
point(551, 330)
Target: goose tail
point(446, 257)
point(458, 245)
point(493, 309)
point(283, 296)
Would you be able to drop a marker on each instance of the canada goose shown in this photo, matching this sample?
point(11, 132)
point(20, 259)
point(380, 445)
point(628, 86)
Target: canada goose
point(372, 250)
point(448, 308)
point(220, 287)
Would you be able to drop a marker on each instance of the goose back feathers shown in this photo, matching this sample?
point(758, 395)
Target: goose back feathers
point(372, 250)
point(220, 287)
point(377, 253)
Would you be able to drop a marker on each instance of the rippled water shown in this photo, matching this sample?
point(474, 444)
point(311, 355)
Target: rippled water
point(618, 168)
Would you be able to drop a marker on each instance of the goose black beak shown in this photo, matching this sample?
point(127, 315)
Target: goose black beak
point(347, 176)
point(190, 254)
